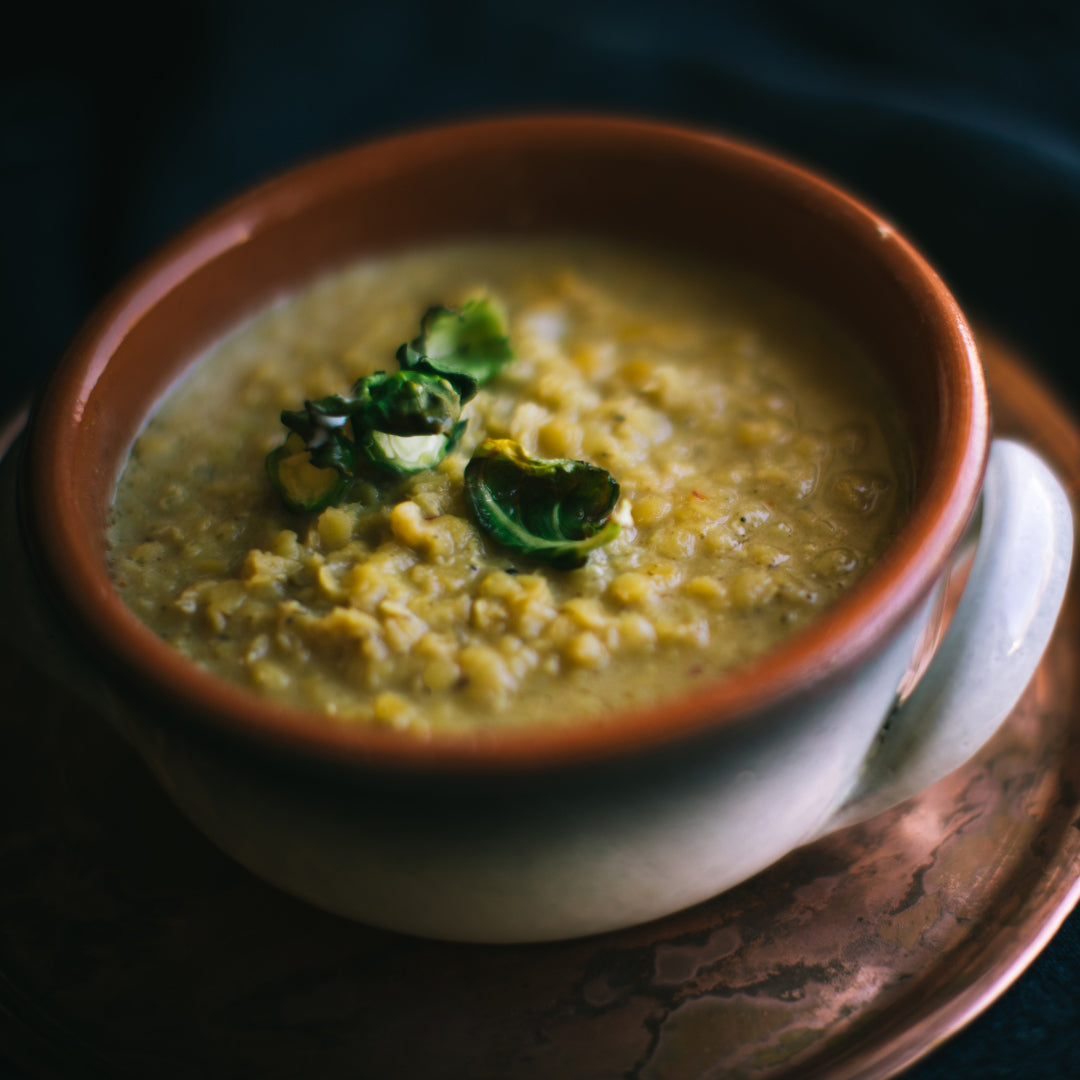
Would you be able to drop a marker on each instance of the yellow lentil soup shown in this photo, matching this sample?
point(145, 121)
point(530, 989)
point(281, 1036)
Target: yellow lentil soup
point(761, 472)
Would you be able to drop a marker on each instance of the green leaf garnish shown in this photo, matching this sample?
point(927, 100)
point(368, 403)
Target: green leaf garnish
point(467, 346)
point(410, 360)
point(407, 403)
point(407, 421)
point(406, 454)
point(322, 427)
point(301, 484)
point(401, 423)
point(556, 511)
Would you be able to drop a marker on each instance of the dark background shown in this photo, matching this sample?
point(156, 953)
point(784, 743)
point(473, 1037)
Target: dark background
point(961, 121)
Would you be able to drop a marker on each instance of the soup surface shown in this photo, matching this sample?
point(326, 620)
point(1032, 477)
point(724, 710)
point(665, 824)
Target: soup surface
point(761, 472)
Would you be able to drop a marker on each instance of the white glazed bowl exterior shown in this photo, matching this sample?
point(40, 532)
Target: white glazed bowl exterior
point(542, 858)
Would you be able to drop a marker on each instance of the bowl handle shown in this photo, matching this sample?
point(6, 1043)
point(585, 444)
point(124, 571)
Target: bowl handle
point(995, 641)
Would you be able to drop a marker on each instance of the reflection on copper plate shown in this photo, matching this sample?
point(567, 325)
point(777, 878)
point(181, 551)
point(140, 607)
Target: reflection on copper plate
point(128, 944)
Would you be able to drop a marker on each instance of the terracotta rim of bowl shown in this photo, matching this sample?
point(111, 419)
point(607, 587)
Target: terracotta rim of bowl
point(843, 636)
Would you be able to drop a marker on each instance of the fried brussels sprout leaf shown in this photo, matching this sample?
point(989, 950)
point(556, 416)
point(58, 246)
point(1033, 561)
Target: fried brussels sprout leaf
point(405, 454)
point(408, 403)
point(407, 421)
point(468, 346)
point(556, 511)
point(401, 423)
point(465, 385)
point(301, 484)
point(321, 427)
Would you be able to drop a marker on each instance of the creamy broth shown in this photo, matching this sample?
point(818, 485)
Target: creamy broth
point(762, 471)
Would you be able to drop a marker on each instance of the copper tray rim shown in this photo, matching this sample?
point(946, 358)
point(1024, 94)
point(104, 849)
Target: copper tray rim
point(916, 1041)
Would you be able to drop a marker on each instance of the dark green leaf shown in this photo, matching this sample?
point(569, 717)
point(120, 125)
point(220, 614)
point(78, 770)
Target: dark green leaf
point(301, 483)
point(322, 427)
point(319, 419)
point(465, 385)
point(467, 345)
point(406, 403)
point(556, 511)
point(401, 422)
point(401, 455)
point(406, 422)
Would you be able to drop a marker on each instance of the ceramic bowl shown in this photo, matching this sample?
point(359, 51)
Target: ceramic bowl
point(546, 834)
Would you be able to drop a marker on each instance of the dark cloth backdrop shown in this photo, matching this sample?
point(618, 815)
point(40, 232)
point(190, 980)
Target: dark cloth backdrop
point(961, 121)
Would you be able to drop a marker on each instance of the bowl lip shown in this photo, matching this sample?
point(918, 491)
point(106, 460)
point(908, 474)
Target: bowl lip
point(842, 637)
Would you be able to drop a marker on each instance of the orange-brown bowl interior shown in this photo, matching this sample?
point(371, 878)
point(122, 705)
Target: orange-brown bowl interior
point(638, 182)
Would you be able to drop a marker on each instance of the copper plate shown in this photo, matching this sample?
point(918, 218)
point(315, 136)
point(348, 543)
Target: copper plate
point(129, 947)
